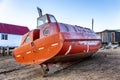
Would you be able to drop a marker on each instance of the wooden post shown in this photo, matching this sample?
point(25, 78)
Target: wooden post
point(3, 51)
point(7, 50)
point(0, 51)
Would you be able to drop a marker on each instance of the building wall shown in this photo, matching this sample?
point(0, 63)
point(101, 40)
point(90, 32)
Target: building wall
point(104, 37)
point(110, 36)
point(107, 36)
point(12, 41)
point(117, 37)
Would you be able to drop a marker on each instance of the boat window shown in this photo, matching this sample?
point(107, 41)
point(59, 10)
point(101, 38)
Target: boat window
point(46, 31)
point(42, 20)
point(52, 18)
point(27, 39)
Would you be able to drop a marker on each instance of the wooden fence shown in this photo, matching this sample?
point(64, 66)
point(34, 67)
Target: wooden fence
point(6, 51)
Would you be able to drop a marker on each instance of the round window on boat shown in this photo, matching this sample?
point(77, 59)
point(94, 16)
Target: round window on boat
point(46, 31)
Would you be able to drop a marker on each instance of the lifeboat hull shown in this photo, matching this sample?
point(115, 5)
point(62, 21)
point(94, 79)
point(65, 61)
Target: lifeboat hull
point(56, 48)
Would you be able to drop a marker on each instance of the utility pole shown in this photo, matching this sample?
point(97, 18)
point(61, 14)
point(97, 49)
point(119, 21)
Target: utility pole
point(92, 23)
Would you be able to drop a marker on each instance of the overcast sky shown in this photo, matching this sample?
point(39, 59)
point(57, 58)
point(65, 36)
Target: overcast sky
point(106, 13)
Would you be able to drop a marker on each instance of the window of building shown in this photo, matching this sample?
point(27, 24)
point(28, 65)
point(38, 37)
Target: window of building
point(4, 37)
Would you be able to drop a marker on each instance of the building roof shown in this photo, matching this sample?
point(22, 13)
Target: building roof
point(116, 30)
point(13, 29)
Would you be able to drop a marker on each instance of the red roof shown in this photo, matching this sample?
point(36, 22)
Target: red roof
point(13, 29)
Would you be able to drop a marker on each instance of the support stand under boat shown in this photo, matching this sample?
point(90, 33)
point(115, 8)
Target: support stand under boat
point(50, 68)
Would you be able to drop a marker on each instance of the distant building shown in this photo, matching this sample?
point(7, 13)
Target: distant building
point(10, 35)
point(112, 36)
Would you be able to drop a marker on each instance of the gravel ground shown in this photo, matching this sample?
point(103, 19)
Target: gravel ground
point(104, 65)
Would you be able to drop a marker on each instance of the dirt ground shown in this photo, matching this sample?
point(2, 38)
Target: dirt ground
point(105, 65)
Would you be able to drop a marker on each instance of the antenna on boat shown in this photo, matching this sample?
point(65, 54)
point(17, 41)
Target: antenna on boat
point(92, 23)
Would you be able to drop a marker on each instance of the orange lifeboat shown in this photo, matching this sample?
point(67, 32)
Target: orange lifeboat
point(54, 42)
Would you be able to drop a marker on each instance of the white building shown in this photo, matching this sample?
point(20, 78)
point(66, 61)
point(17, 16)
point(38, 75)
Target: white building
point(10, 35)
